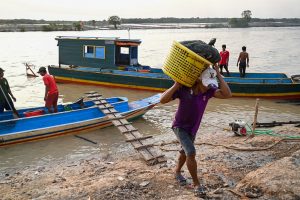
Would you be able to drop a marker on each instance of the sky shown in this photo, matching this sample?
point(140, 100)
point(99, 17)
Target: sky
point(102, 9)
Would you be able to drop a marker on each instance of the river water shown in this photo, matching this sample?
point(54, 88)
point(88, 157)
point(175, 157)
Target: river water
point(270, 50)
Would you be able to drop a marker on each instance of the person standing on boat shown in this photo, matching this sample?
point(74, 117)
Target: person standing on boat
point(192, 104)
point(243, 61)
point(51, 91)
point(224, 54)
point(5, 94)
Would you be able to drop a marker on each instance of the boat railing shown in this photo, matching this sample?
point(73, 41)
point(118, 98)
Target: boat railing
point(258, 80)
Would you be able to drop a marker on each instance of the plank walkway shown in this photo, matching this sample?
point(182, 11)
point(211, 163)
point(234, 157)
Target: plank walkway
point(143, 144)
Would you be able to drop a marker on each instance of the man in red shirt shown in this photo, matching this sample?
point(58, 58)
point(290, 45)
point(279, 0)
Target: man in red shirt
point(51, 91)
point(224, 59)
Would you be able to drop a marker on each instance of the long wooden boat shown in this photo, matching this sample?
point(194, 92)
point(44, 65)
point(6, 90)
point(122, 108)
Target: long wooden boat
point(73, 118)
point(262, 85)
point(114, 62)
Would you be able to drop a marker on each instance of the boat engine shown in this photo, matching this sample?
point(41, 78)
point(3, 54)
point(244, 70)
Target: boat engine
point(239, 127)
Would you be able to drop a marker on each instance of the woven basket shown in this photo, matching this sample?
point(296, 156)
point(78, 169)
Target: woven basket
point(184, 65)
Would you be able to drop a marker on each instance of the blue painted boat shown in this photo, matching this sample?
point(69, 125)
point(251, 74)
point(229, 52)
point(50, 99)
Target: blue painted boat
point(70, 118)
point(113, 62)
point(264, 85)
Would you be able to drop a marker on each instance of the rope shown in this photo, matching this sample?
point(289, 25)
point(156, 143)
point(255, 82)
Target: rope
point(230, 147)
point(284, 138)
point(270, 133)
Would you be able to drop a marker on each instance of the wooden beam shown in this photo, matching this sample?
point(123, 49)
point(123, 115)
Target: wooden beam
point(139, 138)
point(145, 146)
point(128, 131)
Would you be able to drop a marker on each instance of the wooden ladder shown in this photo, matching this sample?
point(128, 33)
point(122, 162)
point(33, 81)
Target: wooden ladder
point(143, 144)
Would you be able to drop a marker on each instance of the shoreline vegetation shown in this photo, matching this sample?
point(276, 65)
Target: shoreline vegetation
point(24, 25)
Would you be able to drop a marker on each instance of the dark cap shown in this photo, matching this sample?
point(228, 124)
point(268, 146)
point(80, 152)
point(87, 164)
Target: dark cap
point(42, 69)
point(1, 70)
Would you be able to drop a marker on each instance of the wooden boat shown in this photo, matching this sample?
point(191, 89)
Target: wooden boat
point(264, 85)
point(102, 61)
point(72, 118)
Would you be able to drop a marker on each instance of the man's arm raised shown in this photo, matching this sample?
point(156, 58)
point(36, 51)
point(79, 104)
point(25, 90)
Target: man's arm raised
point(224, 92)
point(167, 96)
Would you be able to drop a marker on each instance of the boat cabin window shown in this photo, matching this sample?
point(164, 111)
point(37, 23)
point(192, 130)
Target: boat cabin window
point(124, 50)
point(123, 55)
point(89, 51)
point(100, 52)
point(94, 52)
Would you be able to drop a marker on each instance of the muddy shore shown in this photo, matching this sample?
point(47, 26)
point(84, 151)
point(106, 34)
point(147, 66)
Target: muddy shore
point(262, 167)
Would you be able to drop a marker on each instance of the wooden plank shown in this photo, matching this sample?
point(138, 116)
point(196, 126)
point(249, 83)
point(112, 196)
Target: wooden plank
point(123, 124)
point(116, 122)
point(139, 138)
point(124, 121)
point(128, 131)
point(105, 106)
point(98, 103)
point(139, 142)
point(109, 111)
point(94, 95)
point(98, 99)
point(91, 92)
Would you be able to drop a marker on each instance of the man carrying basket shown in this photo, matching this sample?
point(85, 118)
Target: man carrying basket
point(192, 104)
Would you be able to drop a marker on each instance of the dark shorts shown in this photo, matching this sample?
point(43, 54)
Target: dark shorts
point(242, 64)
point(51, 100)
point(5, 105)
point(223, 65)
point(186, 140)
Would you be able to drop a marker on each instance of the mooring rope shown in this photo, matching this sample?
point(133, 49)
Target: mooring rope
point(270, 133)
point(232, 147)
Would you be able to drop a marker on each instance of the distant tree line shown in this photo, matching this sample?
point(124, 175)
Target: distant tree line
point(43, 25)
point(174, 20)
point(149, 20)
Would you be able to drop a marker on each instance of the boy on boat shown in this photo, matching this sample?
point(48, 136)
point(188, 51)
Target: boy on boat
point(192, 104)
point(224, 54)
point(243, 61)
point(5, 94)
point(51, 91)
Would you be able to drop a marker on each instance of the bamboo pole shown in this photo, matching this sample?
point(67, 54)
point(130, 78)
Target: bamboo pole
point(254, 120)
point(255, 117)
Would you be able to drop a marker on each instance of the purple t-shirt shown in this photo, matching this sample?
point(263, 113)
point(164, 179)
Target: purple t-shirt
point(190, 109)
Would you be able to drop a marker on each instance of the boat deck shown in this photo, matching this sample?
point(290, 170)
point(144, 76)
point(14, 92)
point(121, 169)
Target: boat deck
point(152, 74)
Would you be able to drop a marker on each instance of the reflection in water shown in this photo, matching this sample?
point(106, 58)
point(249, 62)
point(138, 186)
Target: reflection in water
point(40, 49)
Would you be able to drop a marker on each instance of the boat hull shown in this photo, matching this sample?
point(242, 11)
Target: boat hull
point(151, 83)
point(266, 91)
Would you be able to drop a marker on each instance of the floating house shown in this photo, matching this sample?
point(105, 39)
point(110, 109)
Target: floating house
point(105, 61)
point(98, 53)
